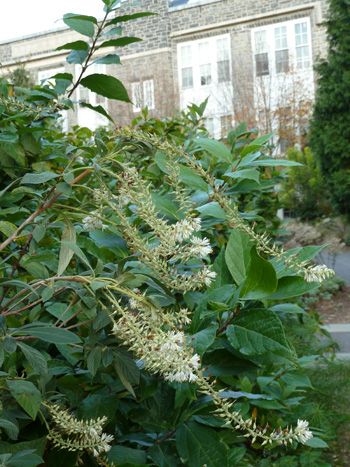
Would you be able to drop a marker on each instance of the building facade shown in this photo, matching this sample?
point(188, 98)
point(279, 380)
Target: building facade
point(245, 55)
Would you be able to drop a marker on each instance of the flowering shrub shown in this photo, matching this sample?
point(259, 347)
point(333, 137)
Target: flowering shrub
point(137, 325)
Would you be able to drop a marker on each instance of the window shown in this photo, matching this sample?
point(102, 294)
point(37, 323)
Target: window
point(261, 53)
point(278, 48)
point(301, 45)
point(281, 47)
point(44, 76)
point(204, 62)
point(223, 60)
point(142, 95)
point(186, 67)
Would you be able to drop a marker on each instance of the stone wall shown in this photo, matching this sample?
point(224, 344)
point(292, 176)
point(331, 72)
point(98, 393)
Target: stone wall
point(156, 56)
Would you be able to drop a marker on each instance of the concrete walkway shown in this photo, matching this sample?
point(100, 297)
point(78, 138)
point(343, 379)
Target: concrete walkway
point(341, 334)
point(342, 263)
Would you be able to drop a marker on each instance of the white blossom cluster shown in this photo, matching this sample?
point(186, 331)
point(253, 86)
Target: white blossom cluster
point(180, 366)
point(182, 230)
point(87, 434)
point(318, 273)
point(161, 352)
point(92, 223)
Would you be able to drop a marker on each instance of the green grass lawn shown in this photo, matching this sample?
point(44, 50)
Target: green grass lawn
point(331, 399)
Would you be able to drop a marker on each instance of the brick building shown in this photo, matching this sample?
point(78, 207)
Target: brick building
point(191, 49)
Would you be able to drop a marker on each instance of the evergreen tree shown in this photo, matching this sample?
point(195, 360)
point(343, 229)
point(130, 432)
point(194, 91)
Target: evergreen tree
point(21, 77)
point(330, 124)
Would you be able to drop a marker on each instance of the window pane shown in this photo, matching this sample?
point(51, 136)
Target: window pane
point(148, 94)
point(262, 64)
point(260, 42)
point(203, 51)
point(209, 125)
point(222, 49)
point(205, 74)
point(136, 96)
point(186, 56)
point(281, 38)
point(223, 71)
point(187, 77)
point(282, 61)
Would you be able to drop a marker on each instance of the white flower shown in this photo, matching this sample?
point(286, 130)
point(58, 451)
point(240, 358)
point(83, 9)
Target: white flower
point(182, 230)
point(206, 275)
point(302, 432)
point(318, 273)
point(133, 303)
point(123, 200)
point(92, 223)
point(200, 247)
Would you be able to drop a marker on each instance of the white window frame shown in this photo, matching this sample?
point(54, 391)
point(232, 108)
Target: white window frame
point(272, 47)
point(142, 95)
point(204, 65)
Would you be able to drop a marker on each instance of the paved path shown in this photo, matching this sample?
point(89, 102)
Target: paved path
point(342, 264)
point(341, 334)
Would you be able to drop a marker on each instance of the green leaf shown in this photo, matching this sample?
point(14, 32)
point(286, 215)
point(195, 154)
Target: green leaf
point(259, 332)
point(251, 174)
point(204, 339)
point(15, 151)
point(80, 23)
point(5, 282)
point(106, 86)
point(10, 428)
point(187, 175)
point(76, 45)
point(163, 456)
point(287, 308)
point(111, 32)
point(108, 60)
point(121, 455)
point(292, 286)
point(50, 334)
point(66, 253)
point(121, 19)
point(316, 443)
point(121, 42)
point(25, 458)
point(8, 137)
point(35, 179)
point(272, 162)
point(165, 206)
point(26, 394)
point(7, 228)
point(78, 252)
point(94, 360)
point(98, 405)
point(238, 255)
point(77, 57)
point(99, 109)
point(199, 445)
point(9, 344)
point(261, 278)
point(34, 357)
point(214, 148)
point(39, 232)
point(212, 209)
point(128, 366)
point(223, 276)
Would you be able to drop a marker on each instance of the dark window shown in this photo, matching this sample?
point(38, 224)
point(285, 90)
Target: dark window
point(262, 64)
